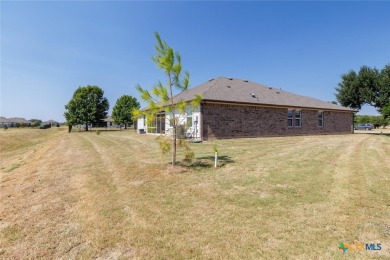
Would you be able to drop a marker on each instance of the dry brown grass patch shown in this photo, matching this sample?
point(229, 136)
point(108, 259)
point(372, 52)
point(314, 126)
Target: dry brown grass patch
point(114, 195)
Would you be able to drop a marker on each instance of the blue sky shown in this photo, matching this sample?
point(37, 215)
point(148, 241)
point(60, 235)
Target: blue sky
point(48, 49)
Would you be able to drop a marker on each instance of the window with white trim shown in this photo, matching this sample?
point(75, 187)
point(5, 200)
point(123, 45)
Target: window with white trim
point(320, 119)
point(294, 118)
point(290, 118)
point(297, 119)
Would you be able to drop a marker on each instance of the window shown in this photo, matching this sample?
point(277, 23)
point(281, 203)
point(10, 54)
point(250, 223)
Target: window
point(294, 118)
point(297, 122)
point(290, 116)
point(157, 125)
point(320, 119)
point(189, 121)
point(189, 116)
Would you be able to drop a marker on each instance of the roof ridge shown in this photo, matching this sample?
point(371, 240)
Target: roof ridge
point(189, 89)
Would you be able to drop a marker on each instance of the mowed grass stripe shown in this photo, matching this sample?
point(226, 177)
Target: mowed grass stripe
point(276, 198)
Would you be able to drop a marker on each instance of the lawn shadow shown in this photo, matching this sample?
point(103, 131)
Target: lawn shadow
point(206, 162)
point(102, 130)
point(385, 134)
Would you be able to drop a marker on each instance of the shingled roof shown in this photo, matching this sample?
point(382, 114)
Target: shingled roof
point(13, 120)
point(243, 91)
point(3, 120)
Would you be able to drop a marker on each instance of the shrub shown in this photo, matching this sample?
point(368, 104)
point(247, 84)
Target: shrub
point(36, 122)
point(98, 132)
point(165, 144)
point(215, 148)
point(151, 129)
point(189, 155)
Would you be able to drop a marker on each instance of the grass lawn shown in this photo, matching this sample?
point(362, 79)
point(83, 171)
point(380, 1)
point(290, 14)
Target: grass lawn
point(114, 196)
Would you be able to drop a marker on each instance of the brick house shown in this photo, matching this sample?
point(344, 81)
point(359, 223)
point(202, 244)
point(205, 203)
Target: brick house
point(13, 122)
point(234, 108)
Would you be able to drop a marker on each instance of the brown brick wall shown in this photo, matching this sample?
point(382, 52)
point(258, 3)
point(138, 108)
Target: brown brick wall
point(233, 121)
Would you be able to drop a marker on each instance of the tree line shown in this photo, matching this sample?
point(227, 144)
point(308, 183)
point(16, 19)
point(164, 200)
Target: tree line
point(377, 121)
point(89, 106)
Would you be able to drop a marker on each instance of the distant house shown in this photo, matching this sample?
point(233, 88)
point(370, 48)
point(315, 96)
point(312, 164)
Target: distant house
point(50, 123)
point(4, 122)
point(233, 108)
point(14, 122)
point(110, 122)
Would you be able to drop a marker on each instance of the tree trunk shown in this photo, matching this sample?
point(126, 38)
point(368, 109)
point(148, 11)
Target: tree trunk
point(86, 127)
point(69, 128)
point(125, 126)
point(174, 147)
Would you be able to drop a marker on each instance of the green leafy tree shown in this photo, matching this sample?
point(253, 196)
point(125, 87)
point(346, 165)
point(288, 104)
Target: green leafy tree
point(356, 120)
point(386, 111)
point(364, 119)
point(161, 97)
point(368, 86)
point(384, 91)
point(384, 121)
point(348, 93)
point(87, 106)
point(376, 121)
point(36, 122)
point(121, 112)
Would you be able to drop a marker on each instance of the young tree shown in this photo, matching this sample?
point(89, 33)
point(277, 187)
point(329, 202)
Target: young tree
point(88, 105)
point(121, 113)
point(162, 97)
